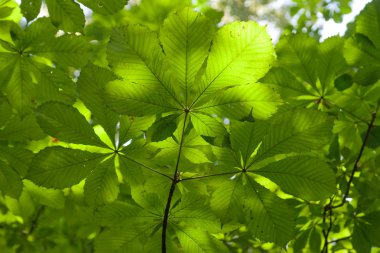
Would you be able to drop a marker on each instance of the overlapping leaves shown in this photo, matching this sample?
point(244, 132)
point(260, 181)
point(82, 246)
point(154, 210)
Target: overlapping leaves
point(175, 87)
point(61, 167)
point(281, 152)
point(176, 77)
point(33, 64)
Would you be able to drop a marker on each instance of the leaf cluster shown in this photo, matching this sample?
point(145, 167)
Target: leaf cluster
point(189, 139)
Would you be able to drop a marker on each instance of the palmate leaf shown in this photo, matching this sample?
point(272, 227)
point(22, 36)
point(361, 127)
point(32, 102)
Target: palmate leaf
point(58, 167)
point(27, 65)
point(168, 149)
point(307, 69)
point(118, 128)
point(130, 228)
point(186, 36)
point(178, 80)
point(304, 131)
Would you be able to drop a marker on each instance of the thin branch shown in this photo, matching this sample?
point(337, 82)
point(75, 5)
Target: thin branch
point(328, 209)
point(345, 195)
point(34, 221)
point(175, 180)
point(207, 176)
point(325, 232)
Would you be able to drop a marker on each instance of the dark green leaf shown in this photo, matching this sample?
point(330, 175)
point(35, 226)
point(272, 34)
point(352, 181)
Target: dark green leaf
point(67, 124)
point(66, 14)
point(58, 167)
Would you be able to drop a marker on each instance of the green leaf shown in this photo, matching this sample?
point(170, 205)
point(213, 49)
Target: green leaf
point(162, 128)
point(241, 53)
point(268, 217)
point(58, 167)
point(190, 149)
point(21, 88)
point(288, 86)
point(178, 81)
point(331, 62)
point(49, 197)
point(196, 240)
point(359, 240)
point(102, 184)
point(5, 12)
point(18, 158)
point(118, 213)
point(133, 127)
point(186, 37)
point(90, 88)
point(207, 126)
point(246, 138)
point(105, 7)
point(298, 53)
point(30, 8)
point(132, 238)
point(238, 102)
point(146, 88)
point(306, 177)
point(66, 14)
point(315, 241)
point(67, 124)
point(66, 50)
point(271, 218)
point(297, 131)
point(300, 242)
point(10, 181)
point(368, 22)
point(193, 211)
point(21, 129)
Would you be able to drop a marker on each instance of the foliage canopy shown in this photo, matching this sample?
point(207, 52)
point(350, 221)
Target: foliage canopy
point(192, 138)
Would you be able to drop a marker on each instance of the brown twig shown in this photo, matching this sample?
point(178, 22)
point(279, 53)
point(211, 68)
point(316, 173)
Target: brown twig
point(328, 209)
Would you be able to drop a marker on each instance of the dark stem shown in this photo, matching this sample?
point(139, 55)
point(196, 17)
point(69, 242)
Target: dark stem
point(175, 180)
point(34, 222)
point(327, 232)
point(328, 209)
point(345, 195)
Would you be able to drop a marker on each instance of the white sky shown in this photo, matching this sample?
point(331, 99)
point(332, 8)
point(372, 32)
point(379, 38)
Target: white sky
point(330, 28)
